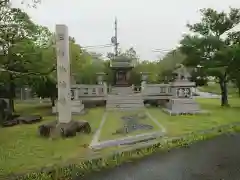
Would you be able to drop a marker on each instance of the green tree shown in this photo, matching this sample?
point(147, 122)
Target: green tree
point(169, 62)
point(45, 87)
point(22, 44)
point(205, 48)
point(16, 29)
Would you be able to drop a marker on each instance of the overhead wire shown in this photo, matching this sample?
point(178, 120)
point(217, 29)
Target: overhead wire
point(97, 46)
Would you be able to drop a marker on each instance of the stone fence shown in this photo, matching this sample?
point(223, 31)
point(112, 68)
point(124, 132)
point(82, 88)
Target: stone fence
point(156, 89)
point(86, 90)
point(153, 91)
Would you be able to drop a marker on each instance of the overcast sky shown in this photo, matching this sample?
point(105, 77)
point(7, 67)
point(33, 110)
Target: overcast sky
point(143, 24)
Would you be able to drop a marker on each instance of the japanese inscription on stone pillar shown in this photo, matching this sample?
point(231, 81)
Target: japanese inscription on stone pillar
point(63, 74)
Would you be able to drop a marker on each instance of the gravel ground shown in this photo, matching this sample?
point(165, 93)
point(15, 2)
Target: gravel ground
point(216, 159)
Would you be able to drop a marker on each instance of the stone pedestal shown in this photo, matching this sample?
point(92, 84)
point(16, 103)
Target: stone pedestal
point(182, 101)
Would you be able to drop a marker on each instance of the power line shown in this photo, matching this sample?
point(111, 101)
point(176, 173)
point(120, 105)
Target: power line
point(163, 50)
point(97, 46)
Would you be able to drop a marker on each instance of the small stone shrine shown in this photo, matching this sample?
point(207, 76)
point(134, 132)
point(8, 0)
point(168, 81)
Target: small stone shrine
point(182, 101)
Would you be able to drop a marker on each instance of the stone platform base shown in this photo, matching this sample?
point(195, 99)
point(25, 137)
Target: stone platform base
point(183, 106)
point(54, 129)
point(175, 113)
point(130, 140)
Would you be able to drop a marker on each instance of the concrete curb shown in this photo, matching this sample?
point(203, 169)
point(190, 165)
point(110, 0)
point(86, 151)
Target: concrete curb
point(127, 140)
point(97, 134)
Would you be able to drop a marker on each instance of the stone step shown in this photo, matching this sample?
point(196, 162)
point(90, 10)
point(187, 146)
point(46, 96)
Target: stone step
point(124, 98)
point(124, 105)
point(122, 90)
point(185, 109)
point(114, 101)
point(125, 109)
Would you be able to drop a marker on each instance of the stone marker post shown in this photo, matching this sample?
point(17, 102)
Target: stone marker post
point(64, 126)
point(63, 74)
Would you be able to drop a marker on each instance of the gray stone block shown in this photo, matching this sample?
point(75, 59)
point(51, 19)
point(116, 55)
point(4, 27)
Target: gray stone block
point(182, 106)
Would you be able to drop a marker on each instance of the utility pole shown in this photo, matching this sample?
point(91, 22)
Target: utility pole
point(114, 39)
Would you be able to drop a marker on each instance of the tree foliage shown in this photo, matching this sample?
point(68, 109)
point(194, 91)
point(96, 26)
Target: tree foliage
point(206, 48)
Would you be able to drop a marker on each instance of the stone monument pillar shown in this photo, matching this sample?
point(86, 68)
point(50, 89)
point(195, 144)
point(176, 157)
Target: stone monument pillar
point(63, 74)
point(68, 101)
point(64, 126)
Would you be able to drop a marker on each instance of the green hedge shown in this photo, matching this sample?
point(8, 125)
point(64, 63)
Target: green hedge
point(72, 171)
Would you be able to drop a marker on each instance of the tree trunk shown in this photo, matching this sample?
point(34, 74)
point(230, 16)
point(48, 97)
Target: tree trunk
point(11, 93)
point(238, 87)
point(238, 91)
point(224, 92)
point(52, 101)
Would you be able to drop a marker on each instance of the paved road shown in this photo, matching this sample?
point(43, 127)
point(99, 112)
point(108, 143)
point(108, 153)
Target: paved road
point(217, 159)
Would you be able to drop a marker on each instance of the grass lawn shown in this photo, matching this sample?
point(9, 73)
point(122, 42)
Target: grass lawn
point(215, 88)
point(178, 125)
point(21, 148)
point(114, 123)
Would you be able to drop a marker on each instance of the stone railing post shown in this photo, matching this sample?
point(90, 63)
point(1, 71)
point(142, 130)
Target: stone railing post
point(100, 77)
point(76, 97)
point(144, 80)
point(105, 88)
point(143, 85)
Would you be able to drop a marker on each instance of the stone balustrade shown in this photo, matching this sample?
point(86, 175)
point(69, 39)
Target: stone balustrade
point(87, 90)
point(152, 91)
point(156, 89)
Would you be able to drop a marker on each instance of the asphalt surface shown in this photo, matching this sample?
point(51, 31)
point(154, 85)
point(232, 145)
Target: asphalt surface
point(216, 159)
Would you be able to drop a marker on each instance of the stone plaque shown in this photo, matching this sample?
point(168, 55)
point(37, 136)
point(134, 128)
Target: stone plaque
point(183, 92)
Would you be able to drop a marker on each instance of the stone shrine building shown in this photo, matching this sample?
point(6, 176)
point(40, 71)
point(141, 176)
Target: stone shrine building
point(121, 67)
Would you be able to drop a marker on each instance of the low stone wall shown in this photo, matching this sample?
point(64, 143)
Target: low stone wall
point(156, 89)
point(85, 90)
